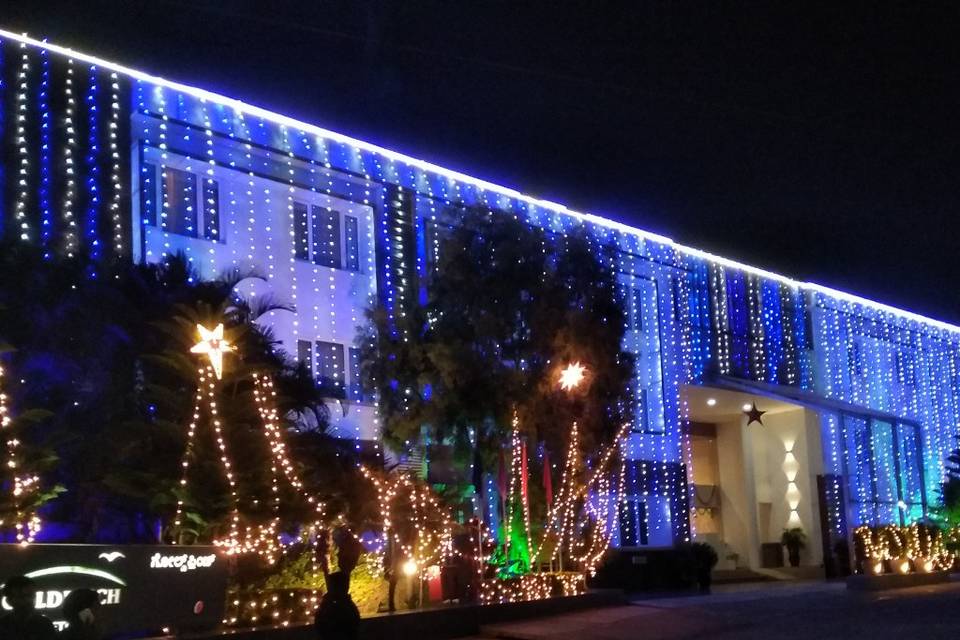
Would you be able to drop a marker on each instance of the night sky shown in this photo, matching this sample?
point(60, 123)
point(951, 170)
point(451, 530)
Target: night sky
point(820, 143)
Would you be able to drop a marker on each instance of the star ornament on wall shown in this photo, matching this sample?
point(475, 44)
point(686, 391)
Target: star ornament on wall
point(213, 345)
point(754, 415)
point(572, 375)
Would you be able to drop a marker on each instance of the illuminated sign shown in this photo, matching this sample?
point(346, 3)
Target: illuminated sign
point(183, 562)
point(143, 589)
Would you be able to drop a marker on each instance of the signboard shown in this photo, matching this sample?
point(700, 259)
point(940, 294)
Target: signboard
point(144, 589)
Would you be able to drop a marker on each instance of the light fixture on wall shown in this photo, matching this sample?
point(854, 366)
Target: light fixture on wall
point(791, 466)
point(793, 496)
point(794, 519)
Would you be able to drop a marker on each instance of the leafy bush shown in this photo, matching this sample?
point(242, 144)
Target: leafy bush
point(794, 538)
point(704, 556)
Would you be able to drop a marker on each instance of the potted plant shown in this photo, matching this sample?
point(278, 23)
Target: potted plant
point(794, 539)
point(704, 560)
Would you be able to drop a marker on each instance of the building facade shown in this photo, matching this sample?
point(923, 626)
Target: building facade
point(861, 400)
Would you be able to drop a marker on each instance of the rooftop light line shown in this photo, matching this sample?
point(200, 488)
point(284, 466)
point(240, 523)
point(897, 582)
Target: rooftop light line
point(457, 176)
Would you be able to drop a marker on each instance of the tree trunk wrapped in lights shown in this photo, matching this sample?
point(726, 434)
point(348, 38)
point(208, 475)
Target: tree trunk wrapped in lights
point(416, 528)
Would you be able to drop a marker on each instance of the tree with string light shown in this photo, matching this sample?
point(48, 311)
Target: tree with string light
point(22, 493)
point(504, 303)
point(115, 381)
point(947, 512)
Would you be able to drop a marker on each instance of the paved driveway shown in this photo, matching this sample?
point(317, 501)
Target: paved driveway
point(771, 611)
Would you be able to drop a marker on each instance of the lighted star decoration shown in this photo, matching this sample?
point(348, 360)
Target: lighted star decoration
point(572, 375)
point(214, 345)
point(754, 415)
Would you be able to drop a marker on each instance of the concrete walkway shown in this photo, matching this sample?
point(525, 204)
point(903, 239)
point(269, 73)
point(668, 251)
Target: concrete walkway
point(763, 611)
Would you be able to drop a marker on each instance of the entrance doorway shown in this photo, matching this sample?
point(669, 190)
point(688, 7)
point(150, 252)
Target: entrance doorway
point(749, 482)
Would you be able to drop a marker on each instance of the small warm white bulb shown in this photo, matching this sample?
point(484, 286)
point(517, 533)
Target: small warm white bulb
point(747, 406)
point(409, 568)
point(711, 402)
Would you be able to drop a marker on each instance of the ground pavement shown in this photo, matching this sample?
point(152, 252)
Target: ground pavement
point(771, 611)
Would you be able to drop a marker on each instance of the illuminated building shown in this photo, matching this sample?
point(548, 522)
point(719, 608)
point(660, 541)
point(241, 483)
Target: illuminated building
point(860, 400)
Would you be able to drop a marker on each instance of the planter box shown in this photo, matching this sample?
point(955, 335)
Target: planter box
point(771, 555)
point(895, 580)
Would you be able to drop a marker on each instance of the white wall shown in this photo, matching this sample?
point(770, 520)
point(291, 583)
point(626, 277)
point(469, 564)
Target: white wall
point(257, 230)
point(737, 508)
point(753, 469)
point(788, 446)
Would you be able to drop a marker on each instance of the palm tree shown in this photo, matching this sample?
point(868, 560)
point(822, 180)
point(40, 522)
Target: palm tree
point(104, 349)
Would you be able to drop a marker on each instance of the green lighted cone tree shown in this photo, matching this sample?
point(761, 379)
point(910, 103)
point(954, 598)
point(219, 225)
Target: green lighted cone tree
point(505, 305)
point(513, 556)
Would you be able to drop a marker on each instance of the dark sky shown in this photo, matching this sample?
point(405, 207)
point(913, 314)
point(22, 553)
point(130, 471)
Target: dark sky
point(819, 141)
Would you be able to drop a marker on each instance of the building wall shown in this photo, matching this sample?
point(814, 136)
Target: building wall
point(77, 132)
point(256, 206)
point(787, 459)
point(737, 493)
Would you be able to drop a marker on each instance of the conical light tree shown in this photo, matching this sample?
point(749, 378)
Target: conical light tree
point(264, 538)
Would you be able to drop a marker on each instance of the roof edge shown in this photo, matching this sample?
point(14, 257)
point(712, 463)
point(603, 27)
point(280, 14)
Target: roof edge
point(288, 121)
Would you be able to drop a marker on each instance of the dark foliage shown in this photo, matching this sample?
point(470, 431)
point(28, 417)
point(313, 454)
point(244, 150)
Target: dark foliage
point(103, 349)
point(507, 306)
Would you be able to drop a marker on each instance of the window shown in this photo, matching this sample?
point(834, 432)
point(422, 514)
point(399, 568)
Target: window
point(305, 354)
point(740, 330)
point(910, 462)
point(642, 416)
point(636, 308)
point(807, 326)
point(905, 368)
point(329, 369)
point(432, 237)
point(676, 300)
point(884, 463)
point(632, 516)
point(885, 467)
point(325, 237)
point(211, 210)
point(325, 360)
point(855, 356)
point(189, 206)
point(301, 232)
point(148, 193)
point(644, 341)
point(179, 198)
point(356, 383)
point(352, 243)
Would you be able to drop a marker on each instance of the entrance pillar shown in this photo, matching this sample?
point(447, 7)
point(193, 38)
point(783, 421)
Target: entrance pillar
point(750, 494)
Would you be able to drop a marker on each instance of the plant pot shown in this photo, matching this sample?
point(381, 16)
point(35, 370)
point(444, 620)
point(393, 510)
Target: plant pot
point(794, 556)
point(704, 578)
